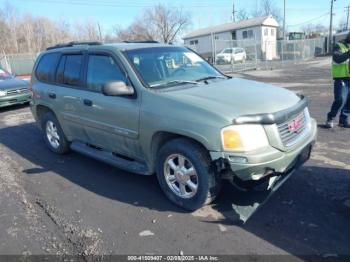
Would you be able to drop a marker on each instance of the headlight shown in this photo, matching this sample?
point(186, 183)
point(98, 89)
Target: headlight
point(243, 138)
point(2, 93)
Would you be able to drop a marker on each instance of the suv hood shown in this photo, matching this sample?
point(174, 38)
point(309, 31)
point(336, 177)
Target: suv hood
point(236, 97)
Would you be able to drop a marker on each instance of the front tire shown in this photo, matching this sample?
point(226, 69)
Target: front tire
point(185, 174)
point(53, 134)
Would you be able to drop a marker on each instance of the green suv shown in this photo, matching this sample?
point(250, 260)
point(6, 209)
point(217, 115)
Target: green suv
point(159, 109)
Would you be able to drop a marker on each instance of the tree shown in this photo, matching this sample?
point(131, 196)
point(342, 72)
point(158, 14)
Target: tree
point(314, 29)
point(269, 7)
point(160, 23)
point(242, 14)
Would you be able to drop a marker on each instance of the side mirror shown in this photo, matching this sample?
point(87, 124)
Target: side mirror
point(117, 88)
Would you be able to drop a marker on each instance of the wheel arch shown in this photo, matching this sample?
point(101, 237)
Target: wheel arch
point(162, 137)
point(41, 110)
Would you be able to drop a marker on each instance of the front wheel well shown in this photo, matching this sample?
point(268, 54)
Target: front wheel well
point(160, 138)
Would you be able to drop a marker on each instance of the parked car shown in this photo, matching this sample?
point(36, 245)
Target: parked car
point(231, 55)
point(161, 109)
point(12, 90)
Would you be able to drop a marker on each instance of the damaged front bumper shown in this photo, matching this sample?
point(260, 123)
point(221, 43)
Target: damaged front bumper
point(266, 171)
point(269, 162)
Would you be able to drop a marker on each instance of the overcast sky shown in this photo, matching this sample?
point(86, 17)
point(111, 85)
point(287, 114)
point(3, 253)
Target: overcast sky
point(204, 12)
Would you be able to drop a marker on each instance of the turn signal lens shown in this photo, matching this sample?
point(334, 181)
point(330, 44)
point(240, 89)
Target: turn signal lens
point(231, 139)
point(243, 138)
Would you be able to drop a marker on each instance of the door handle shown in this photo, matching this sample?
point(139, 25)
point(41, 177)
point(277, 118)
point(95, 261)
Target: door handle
point(52, 95)
point(87, 102)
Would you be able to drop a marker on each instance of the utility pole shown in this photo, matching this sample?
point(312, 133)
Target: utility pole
point(284, 20)
point(99, 31)
point(330, 40)
point(347, 16)
point(233, 12)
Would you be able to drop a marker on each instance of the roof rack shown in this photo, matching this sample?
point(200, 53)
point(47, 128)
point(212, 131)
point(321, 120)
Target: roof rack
point(141, 42)
point(74, 43)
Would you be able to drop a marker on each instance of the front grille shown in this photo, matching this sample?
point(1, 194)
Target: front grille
point(17, 91)
point(292, 129)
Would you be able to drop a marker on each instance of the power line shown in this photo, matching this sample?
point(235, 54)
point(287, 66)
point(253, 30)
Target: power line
point(311, 20)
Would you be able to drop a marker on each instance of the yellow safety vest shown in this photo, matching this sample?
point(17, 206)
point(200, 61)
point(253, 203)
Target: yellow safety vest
point(341, 70)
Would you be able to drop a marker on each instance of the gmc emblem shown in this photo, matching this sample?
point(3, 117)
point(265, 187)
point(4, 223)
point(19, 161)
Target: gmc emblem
point(295, 125)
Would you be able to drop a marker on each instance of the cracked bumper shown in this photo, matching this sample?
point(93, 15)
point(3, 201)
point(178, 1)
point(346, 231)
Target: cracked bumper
point(260, 164)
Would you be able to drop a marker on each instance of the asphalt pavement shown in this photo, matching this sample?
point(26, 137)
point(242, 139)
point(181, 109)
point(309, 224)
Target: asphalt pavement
point(75, 205)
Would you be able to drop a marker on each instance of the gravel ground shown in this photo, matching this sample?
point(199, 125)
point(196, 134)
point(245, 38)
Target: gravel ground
point(75, 205)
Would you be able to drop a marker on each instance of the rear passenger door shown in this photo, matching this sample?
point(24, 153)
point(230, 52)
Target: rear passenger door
point(110, 122)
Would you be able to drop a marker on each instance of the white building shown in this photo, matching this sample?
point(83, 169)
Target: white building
point(259, 33)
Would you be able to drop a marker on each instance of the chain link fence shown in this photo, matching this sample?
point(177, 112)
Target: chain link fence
point(18, 64)
point(233, 56)
point(227, 55)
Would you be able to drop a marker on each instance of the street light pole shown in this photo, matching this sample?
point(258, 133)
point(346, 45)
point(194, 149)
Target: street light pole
point(330, 40)
point(284, 21)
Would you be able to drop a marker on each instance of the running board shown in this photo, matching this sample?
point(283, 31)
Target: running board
point(110, 158)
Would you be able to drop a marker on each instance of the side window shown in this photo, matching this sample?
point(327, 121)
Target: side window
point(45, 71)
point(60, 70)
point(101, 70)
point(72, 70)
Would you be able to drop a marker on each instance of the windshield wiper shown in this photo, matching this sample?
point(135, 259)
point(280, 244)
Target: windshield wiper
point(209, 77)
point(180, 82)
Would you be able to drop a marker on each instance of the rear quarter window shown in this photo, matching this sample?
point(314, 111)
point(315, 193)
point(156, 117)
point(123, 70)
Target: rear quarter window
point(45, 71)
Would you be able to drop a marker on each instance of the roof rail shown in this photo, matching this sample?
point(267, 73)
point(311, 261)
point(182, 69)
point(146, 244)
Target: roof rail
point(74, 43)
point(141, 42)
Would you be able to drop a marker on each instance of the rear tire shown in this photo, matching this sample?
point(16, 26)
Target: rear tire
point(53, 134)
point(185, 174)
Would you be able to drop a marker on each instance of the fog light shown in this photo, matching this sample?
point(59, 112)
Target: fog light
point(238, 159)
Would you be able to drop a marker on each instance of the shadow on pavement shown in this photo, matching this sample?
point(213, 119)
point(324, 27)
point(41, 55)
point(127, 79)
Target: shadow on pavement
point(304, 216)
point(13, 107)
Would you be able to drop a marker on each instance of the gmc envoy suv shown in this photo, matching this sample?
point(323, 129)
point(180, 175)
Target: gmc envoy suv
point(151, 108)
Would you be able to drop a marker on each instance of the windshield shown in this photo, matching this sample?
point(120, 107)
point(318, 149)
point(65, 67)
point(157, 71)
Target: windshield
point(227, 51)
point(4, 75)
point(168, 66)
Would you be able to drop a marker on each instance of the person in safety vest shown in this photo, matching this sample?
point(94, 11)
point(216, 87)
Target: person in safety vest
point(341, 76)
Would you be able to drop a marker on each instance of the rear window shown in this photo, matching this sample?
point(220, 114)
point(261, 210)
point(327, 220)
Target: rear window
point(45, 71)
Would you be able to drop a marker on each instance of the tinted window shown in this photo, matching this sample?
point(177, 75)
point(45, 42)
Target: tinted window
point(102, 69)
point(72, 69)
point(60, 70)
point(45, 71)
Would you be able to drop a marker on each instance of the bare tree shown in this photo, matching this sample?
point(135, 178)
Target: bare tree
point(166, 23)
point(137, 31)
point(242, 14)
point(269, 7)
point(312, 30)
point(25, 33)
point(159, 23)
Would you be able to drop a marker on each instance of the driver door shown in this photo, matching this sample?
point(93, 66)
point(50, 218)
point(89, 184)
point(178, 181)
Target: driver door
point(110, 122)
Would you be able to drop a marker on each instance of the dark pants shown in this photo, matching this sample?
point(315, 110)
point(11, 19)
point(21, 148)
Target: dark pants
point(341, 101)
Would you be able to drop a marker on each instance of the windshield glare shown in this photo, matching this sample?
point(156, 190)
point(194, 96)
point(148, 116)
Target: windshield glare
point(4, 75)
point(165, 66)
